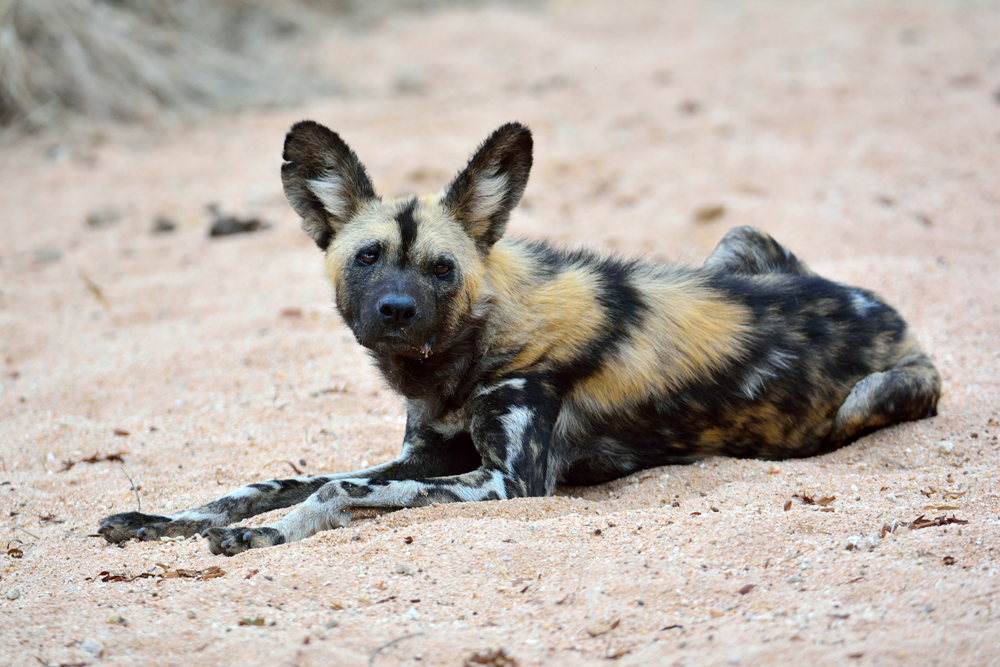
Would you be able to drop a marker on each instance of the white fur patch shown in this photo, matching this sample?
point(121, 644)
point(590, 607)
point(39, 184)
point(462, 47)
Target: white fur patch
point(447, 429)
point(311, 517)
point(495, 484)
point(488, 194)
point(515, 425)
point(781, 359)
point(331, 192)
point(862, 304)
point(514, 383)
point(197, 515)
point(249, 491)
point(752, 383)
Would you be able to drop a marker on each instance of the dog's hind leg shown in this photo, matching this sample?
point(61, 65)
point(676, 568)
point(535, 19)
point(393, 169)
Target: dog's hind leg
point(748, 250)
point(907, 391)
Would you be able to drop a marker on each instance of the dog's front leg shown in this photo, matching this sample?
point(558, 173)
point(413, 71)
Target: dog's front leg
point(512, 431)
point(426, 454)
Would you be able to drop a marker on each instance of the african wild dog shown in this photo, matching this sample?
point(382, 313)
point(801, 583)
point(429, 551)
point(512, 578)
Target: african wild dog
point(524, 365)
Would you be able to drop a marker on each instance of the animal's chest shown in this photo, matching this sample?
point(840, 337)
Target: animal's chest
point(453, 423)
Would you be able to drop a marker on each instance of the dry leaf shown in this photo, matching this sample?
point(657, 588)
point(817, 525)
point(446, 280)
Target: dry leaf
point(96, 458)
point(806, 500)
point(209, 573)
point(595, 632)
point(495, 658)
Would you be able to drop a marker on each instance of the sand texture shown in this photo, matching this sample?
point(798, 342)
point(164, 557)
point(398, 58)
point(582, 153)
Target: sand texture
point(865, 136)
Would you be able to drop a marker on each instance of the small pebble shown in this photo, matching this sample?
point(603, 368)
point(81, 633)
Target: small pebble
point(93, 647)
point(404, 568)
point(226, 225)
point(689, 107)
point(709, 212)
point(163, 225)
point(413, 614)
point(47, 255)
point(104, 217)
point(410, 81)
point(944, 448)
point(14, 593)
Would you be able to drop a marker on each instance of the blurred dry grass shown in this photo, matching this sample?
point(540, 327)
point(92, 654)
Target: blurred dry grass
point(129, 59)
point(135, 59)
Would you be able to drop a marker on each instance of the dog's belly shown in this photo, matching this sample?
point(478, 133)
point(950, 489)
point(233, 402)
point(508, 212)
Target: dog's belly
point(683, 427)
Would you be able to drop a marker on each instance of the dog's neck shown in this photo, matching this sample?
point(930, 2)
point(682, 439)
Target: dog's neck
point(444, 379)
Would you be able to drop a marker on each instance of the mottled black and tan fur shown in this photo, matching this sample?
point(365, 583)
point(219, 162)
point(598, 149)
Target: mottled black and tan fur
point(524, 365)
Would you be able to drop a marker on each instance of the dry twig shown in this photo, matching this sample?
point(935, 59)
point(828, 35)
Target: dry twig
point(395, 641)
point(135, 490)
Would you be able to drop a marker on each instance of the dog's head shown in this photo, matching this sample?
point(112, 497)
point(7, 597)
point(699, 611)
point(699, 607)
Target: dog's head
point(406, 272)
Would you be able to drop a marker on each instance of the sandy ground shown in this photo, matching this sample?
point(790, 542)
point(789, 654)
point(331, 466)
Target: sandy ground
point(863, 135)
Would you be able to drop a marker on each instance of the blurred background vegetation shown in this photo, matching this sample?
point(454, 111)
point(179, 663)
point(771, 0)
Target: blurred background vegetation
point(137, 59)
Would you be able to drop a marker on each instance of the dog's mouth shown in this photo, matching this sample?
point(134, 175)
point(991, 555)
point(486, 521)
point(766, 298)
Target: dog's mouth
point(400, 346)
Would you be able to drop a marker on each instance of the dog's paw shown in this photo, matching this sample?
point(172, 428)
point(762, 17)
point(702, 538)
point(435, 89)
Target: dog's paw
point(235, 540)
point(225, 541)
point(120, 527)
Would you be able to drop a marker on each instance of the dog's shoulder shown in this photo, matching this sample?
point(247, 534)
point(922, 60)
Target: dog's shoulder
point(605, 326)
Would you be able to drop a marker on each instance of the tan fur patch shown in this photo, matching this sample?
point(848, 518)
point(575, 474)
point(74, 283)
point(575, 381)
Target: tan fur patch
point(439, 234)
point(688, 332)
point(547, 322)
point(374, 222)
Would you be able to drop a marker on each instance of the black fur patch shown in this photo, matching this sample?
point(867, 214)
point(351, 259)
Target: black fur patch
point(407, 230)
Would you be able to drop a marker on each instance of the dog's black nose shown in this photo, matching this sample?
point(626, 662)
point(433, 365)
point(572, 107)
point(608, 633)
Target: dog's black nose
point(397, 309)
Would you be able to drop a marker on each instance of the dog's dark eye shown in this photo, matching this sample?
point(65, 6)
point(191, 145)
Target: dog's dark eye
point(441, 269)
point(368, 257)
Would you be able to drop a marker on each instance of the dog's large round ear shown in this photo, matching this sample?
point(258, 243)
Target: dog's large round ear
point(483, 194)
point(324, 181)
